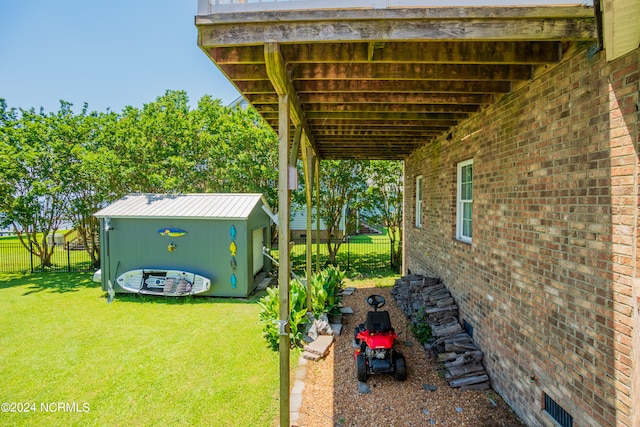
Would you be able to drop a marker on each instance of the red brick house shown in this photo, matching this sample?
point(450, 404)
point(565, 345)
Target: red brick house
point(548, 275)
point(518, 127)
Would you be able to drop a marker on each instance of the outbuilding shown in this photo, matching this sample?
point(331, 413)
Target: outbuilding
point(180, 244)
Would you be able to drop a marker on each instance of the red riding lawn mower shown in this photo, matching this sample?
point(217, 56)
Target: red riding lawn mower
point(375, 339)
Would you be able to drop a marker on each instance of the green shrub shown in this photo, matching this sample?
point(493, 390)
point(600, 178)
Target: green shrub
point(421, 329)
point(269, 314)
point(326, 286)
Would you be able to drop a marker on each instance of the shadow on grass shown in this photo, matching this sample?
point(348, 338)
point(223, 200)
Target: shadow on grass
point(373, 274)
point(251, 299)
point(52, 282)
point(187, 300)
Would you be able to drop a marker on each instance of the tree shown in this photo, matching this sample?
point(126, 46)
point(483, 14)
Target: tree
point(342, 183)
point(383, 202)
point(159, 146)
point(98, 176)
point(66, 166)
point(33, 156)
point(242, 150)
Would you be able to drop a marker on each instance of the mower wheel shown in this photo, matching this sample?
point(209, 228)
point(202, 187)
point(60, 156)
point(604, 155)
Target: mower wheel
point(361, 365)
point(400, 373)
point(356, 331)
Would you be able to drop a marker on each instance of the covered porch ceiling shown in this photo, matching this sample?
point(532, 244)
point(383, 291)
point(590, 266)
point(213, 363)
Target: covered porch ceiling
point(377, 83)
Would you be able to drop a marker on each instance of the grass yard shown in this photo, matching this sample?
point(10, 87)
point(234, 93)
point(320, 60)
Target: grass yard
point(137, 361)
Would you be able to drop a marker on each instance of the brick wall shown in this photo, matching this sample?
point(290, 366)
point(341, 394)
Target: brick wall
point(548, 282)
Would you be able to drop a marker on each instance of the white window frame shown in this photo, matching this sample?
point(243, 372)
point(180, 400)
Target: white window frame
point(419, 201)
point(463, 201)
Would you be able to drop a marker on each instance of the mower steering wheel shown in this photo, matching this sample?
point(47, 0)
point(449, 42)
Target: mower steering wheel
point(376, 301)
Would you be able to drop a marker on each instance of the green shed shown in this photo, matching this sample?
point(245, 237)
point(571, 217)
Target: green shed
point(181, 244)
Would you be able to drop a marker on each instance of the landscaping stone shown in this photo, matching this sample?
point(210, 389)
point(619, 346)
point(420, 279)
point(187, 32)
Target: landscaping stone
point(346, 310)
point(336, 328)
point(319, 348)
point(363, 388)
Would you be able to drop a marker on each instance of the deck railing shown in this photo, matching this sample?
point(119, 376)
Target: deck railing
point(208, 7)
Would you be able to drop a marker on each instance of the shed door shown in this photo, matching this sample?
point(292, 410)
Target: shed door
point(258, 243)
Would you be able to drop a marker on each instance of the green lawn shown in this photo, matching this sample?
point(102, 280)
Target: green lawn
point(137, 361)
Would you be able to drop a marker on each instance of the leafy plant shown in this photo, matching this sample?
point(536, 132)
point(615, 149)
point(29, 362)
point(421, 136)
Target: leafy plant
point(326, 286)
point(420, 328)
point(325, 296)
point(270, 309)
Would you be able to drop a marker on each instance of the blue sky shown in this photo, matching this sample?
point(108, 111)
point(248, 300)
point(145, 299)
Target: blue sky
point(108, 53)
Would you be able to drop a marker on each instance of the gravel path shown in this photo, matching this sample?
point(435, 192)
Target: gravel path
point(330, 396)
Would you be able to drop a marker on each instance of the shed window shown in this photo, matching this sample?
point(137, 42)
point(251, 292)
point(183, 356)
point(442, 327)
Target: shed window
point(419, 201)
point(464, 208)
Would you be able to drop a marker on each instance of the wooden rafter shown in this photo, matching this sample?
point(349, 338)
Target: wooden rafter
point(446, 52)
point(379, 83)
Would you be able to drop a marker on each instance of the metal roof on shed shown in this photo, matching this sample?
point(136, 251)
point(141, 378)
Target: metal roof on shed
point(209, 206)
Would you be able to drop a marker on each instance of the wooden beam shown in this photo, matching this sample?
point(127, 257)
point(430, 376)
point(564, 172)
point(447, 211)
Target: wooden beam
point(384, 115)
point(402, 71)
point(317, 180)
point(413, 13)
point(462, 110)
point(446, 52)
point(386, 98)
point(397, 98)
point(307, 159)
point(386, 123)
point(381, 115)
point(390, 142)
point(283, 251)
point(245, 71)
point(275, 67)
point(425, 124)
point(250, 87)
point(446, 23)
point(366, 132)
point(412, 86)
point(426, 52)
point(238, 54)
point(295, 146)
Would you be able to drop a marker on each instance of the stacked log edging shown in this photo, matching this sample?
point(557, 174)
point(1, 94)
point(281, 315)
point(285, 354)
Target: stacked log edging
point(427, 299)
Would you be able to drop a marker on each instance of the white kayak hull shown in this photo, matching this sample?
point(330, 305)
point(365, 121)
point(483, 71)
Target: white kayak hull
point(163, 282)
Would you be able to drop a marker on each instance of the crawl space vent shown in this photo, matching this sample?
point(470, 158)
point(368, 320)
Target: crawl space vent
point(557, 412)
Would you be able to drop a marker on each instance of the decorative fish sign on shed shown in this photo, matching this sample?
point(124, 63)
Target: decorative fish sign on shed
point(171, 232)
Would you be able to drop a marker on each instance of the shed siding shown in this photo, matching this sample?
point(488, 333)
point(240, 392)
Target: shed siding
point(550, 282)
point(135, 243)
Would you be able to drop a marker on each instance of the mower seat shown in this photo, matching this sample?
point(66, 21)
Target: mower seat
point(378, 321)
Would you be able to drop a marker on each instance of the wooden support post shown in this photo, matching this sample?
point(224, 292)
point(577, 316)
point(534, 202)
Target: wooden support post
point(317, 177)
point(295, 146)
point(307, 158)
point(283, 252)
point(403, 268)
